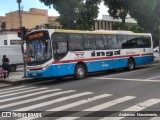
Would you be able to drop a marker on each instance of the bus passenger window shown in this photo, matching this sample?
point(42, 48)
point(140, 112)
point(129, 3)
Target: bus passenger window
point(61, 41)
point(122, 40)
point(147, 41)
point(99, 42)
point(89, 42)
point(75, 42)
point(112, 42)
point(106, 44)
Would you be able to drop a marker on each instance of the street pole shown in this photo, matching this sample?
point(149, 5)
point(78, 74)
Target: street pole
point(22, 42)
point(159, 50)
point(19, 11)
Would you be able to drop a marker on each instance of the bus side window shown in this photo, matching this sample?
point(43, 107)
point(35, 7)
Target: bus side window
point(99, 42)
point(112, 42)
point(122, 40)
point(106, 42)
point(61, 42)
point(147, 41)
point(89, 42)
point(75, 42)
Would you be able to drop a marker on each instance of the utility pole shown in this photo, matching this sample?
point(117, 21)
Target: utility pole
point(22, 41)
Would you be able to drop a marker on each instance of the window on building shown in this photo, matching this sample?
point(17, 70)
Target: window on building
point(15, 42)
point(5, 42)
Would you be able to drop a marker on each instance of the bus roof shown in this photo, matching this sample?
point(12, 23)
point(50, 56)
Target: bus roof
point(101, 32)
point(119, 32)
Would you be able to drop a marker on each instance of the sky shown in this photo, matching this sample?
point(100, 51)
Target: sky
point(7, 6)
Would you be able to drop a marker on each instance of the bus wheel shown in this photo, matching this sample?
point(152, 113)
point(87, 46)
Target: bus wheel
point(80, 72)
point(131, 64)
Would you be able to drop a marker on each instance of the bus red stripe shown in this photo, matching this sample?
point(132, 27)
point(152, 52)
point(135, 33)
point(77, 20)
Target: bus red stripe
point(100, 58)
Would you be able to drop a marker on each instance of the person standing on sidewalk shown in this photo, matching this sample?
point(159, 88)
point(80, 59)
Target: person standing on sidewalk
point(5, 65)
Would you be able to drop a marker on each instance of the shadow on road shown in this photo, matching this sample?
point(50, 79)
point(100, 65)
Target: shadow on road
point(55, 81)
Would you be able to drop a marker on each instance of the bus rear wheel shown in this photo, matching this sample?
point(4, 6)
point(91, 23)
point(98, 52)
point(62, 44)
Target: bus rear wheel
point(131, 64)
point(80, 72)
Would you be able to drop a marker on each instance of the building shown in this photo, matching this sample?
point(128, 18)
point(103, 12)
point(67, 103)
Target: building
point(29, 19)
point(107, 22)
point(2, 22)
point(52, 21)
point(9, 38)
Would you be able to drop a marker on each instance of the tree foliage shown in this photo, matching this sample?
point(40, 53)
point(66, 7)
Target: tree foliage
point(145, 12)
point(75, 14)
point(117, 9)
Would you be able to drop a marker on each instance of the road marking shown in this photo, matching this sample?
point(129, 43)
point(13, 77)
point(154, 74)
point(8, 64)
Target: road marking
point(137, 107)
point(81, 102)
point(7, 89)
point(139, 80)
point(16, 90)
point(126, 72)
point(20, 92)
point(98, 108)
point(28, 95)
point(84, 101)
point(153, 77)
point(155, 118)
point(53, 101)
point(35, 99)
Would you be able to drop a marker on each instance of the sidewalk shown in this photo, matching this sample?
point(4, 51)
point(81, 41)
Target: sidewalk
point(14, 78)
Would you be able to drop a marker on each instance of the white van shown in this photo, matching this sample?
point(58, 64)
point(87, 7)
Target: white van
point(14, 53)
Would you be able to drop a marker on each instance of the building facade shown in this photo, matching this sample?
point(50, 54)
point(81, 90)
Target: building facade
point(52, 20)
point(9, 38)
point(107, 23)
point(2, 22)
point(29, 19)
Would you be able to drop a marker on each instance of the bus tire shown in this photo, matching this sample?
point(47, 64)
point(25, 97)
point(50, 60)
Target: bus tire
point(80, 71)
point(131, 64)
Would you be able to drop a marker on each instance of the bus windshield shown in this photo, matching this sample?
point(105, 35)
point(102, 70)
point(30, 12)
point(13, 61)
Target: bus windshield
point(38, 49)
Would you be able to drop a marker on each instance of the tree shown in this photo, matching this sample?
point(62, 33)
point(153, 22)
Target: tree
point(87, 15)
point(117, 9)
point(75, 14)
point(67, 10)
point(145, 12)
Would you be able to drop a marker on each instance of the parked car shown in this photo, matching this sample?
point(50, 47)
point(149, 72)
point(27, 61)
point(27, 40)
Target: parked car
point(156, 49)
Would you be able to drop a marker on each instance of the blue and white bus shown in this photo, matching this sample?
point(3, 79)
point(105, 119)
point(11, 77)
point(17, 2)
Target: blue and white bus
point(57, 53)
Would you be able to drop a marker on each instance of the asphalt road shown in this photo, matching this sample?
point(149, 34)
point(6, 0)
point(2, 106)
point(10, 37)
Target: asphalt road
point(114, 91)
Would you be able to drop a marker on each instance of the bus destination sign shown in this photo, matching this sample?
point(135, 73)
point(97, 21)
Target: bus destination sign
point(35, 35)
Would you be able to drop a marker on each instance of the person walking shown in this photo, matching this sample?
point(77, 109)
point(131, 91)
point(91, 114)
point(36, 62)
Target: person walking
point(5, 65)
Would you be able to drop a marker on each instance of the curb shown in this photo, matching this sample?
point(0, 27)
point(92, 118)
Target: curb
point(5, 86)
point(15, 81)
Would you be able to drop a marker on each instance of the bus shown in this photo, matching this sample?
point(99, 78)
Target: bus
point(58, 53)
